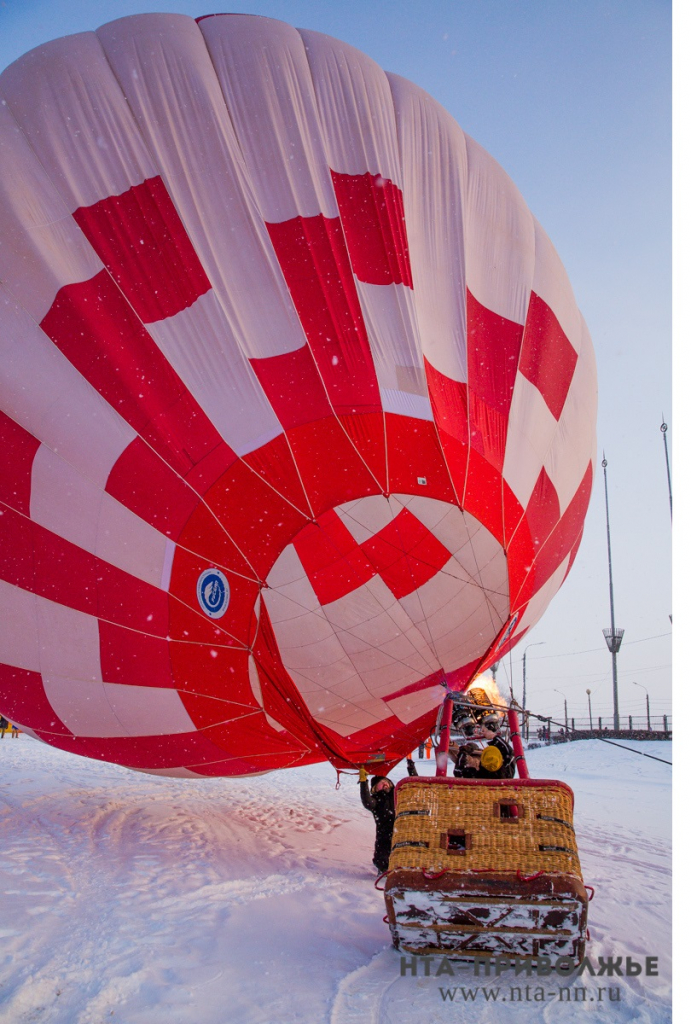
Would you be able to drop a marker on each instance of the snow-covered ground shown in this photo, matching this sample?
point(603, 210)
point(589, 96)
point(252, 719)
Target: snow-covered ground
point(134, 899)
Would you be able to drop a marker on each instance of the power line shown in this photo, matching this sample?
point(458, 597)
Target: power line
point(592, 650)
point(602, 676)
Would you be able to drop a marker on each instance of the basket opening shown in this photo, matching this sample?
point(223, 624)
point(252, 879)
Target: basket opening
point(508, 810)
point(455, 841)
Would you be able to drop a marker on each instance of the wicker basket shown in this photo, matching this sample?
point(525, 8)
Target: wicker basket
point(483, 868)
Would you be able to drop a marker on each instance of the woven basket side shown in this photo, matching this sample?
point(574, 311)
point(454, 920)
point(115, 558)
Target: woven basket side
point(474, 829)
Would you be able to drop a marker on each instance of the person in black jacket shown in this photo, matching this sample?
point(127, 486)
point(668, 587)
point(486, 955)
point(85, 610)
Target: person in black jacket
point(378, 798)
point(468, 762)
point(489, 728)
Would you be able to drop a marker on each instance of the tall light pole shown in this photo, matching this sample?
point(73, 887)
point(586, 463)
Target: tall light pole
point(590, 711)
point(647, 702)
point(526, 721)
point(566, 713)
point(663, 428)
point(613, 637)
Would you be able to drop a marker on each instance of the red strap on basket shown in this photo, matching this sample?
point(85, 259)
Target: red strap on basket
point(379, 878)
point(385, 919)
point(592, 890)
point(431, 875)
point(528, 878)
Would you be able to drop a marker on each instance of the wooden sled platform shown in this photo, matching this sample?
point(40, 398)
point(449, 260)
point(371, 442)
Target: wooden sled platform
point(485, 868)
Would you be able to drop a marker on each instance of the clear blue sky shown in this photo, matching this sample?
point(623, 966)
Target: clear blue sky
point(574, 100)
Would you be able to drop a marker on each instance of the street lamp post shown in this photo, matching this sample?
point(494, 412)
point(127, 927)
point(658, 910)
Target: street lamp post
point(526, 720)
point(566, 714)
point(590, 711)
point(613, 637)
point(647, 702)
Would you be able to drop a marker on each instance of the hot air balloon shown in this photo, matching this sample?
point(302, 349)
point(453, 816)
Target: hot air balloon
point(297, 406)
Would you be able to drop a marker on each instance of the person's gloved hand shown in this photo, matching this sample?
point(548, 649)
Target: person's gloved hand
point(363, 775)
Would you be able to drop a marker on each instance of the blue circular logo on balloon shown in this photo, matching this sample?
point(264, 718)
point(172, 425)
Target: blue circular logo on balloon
point(213, 593)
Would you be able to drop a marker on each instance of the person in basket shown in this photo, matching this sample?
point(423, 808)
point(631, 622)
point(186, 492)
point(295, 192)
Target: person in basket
point(497, 760)
point(468, 762)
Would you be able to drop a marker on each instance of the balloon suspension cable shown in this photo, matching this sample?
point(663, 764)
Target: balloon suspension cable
point(459, 698)
point(441, 735)
point(516, 742)
point(446, 719)
point(437, 726)
point(544, 718)
point(436, 732)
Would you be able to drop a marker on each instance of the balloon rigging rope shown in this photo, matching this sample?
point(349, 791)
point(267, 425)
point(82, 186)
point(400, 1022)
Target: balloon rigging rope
point(416, 592)
point(202, 499)
point(338, 420)
point(468, 581)
point(542, 718)
point(485, 590)
point(490, 606)
point(370, 646)
point(430, 639)
point(386, 450)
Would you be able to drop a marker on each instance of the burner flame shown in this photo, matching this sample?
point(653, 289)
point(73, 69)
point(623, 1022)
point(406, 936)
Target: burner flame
point(486, 683)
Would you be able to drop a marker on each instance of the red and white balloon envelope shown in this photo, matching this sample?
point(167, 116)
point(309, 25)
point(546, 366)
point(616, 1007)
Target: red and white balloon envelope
point(298, 409)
